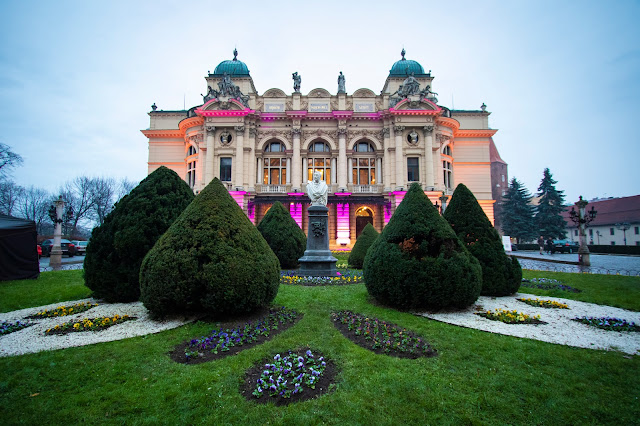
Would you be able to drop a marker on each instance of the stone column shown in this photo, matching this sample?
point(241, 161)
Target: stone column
point(387, 159)
point(239, 173)
point(296, 172)
point(343, 170)
point(428, 156)
point(379, 171)
point(400, 175)
point(258, 173)
point(210, 159)
point(350, 170)
point(288, 172)
point(252, 160)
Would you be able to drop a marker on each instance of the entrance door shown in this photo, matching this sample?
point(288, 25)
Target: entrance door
point(364, 215)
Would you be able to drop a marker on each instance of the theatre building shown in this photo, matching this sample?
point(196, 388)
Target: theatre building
point(368, 148)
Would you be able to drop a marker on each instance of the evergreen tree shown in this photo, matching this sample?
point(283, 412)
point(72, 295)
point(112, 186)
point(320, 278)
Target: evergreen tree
point(549, 218)
point(211, 260)
point(283, 235)
point(117, 247)
point(360, 248)
point(518, 213)
point(418, 262)
point(501, 275)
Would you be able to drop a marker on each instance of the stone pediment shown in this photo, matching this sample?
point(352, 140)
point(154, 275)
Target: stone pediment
point(415, 103)
point(319, 93)
point(223, 103)
point(364, 93)
point(274, 93)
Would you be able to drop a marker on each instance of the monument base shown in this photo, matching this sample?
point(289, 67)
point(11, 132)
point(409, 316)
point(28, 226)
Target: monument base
point(318, 260)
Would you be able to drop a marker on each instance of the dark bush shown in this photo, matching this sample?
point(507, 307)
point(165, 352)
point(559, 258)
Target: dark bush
point(117, 247)
point(364, 241)
point(419, 262)
point(283, 235)
point(211, 260)
point(501, 275)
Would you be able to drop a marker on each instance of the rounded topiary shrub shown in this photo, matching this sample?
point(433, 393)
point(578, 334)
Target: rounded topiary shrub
point(283, 235)
point(364, 241)
point(419, 262)
point(117, 247)
point(501, 275)
point(211, 260)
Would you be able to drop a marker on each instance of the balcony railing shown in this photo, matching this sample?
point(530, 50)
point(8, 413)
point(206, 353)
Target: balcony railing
point(365, 189)
point(273, 189)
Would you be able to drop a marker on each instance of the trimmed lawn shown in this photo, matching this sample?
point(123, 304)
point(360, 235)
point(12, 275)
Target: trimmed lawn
point(476, 378)
point(50, 287)
point(612, 290)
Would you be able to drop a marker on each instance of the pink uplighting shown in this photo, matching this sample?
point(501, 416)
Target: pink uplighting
point(342, 194)
point(295, 209)
point(342, 219)
point(295, 194)
point(387, 213)
point(238, 196)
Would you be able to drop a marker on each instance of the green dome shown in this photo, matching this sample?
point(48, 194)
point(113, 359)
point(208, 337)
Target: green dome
point(404, 67)
point(233, 67)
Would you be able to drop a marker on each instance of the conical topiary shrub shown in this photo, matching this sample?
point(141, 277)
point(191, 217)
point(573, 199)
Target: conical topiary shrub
point(283, 235)
point(212, 259)
point(501, 275)
point(419, 262)
point(117, 247)
point(364, 241)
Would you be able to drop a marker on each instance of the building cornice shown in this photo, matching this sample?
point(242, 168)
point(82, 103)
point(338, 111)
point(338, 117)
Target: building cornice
point(475, 133)
point(190, 122)
point(452, 123)
point(162, 133)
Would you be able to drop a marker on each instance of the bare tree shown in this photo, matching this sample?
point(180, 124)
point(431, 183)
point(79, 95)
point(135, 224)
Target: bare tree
point(124, 188)
point(8, 159)
point(10, 193)
point(78, 194)
point(34, 205)
point(104, 194)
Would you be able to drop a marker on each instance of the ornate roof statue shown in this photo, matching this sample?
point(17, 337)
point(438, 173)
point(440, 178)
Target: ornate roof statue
point(341, 83)
point(296, 82)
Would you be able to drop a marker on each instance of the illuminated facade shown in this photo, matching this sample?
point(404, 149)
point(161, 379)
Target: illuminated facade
point(368, 148)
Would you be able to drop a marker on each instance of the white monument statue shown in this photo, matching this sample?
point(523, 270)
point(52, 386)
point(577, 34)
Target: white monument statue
point(317, 190)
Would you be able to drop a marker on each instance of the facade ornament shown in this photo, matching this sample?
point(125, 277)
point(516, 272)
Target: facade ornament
point(211, 94)
point(427, 130)
point(154, 107)
point(304, 105)
point(318, 228)
point(386, 132)
point(288, 105)
point(296, 81)
point(259, 105)
point(297, 123)
point(426, 93)
point(398, 128)
point(228, 90)
point(412, 138)
point(225, 138)
point(253, 132)
point(349, 104)
point(379, 106)
point(334, 105)
point(342, 131)
point(341, 83)
point(211, 129)
point(296, 131)
point(224, 105)
point(239, 130)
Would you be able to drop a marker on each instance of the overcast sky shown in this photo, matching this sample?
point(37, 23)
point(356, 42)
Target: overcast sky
point(561, 78)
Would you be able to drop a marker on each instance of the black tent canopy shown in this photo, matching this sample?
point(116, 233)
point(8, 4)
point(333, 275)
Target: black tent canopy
point(18, 251)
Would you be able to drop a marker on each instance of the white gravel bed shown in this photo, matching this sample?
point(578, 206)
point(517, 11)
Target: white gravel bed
point(33, 339)
point(559, 328)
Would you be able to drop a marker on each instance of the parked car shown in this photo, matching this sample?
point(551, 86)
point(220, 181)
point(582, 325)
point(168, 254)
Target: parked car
point(565, 246)
point(67, 247)
point(39, 251)
point(514, 247)
point(81, 246)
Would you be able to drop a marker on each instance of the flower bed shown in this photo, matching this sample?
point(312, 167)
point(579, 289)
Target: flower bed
point(608, 323)
point(229, 341)
point(547, 284)
point(345, 277)
point(297, 376)
point(63, 310)
point(510, 317)
point(11, 327)
point(544, 303)
point(381, 337)
point(89, 324)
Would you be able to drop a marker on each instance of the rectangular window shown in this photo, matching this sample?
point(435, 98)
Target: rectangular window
point(225, 169)
point(613, 243)
point(590, 232)
point(638, 243)
point(575, 232)
point(413, 170)
point(612, 231)
point(637, 230)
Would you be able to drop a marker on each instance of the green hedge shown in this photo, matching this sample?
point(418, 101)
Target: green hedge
point(360, 248)
point(283, 235)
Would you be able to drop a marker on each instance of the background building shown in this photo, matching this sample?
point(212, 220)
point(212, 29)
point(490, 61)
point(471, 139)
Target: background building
point(368, 148)
point(618, 219)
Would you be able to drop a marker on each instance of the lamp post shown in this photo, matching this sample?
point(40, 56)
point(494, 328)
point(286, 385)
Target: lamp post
point(582, 218)
point(57, 216)
point(598, 234)
point(624, 226)
point(443, 202)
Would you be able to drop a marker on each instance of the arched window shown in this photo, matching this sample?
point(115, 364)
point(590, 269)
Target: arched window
point(447, 150)
point(319, 161)
point(274, 171)
point(192, 150)
point(363, 164)
point(447, 171)
point(191, 166)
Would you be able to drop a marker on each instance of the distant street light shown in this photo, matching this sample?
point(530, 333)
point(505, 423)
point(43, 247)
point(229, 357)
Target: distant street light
point(598, 234)
point(582, 218)
point(624, 226)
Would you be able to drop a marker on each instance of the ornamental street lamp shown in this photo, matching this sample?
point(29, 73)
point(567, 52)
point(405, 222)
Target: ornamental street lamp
point(624, 226)
point(57, 216)
point(443, 202)
point(582, 218)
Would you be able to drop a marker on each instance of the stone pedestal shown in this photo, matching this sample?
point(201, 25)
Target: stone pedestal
point(317, 260)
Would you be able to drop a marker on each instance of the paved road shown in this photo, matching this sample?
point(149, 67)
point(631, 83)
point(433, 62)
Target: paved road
point(600, 263)
point(75, 262)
